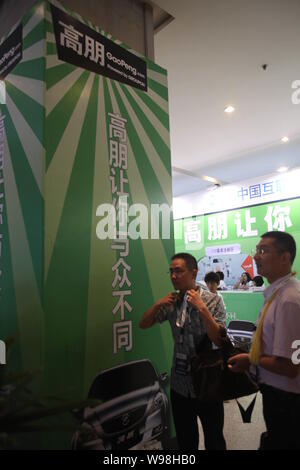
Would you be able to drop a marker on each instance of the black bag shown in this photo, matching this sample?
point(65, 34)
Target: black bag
point(212, 379)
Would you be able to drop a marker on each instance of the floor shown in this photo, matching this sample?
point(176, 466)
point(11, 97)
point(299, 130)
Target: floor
point(238, 435)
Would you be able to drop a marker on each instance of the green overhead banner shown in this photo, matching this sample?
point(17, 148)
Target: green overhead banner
point(72, 140)
point(225, 241)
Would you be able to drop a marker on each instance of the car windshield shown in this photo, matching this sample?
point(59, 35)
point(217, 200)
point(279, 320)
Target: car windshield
point(121, 380)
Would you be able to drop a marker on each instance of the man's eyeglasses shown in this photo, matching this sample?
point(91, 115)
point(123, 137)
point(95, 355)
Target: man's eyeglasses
point(263, 251)
point(258, 251)
point(179, 272)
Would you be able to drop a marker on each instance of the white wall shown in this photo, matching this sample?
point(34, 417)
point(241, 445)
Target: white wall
point(273, 187)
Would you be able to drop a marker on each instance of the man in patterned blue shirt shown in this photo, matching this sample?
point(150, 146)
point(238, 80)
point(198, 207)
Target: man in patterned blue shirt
point(192, 313)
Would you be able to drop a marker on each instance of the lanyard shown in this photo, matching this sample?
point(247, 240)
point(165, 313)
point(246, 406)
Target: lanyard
point(184, 318)
point(182, 312)
point(256, 349)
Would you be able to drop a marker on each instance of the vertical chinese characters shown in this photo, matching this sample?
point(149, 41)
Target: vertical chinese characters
point(121, 285)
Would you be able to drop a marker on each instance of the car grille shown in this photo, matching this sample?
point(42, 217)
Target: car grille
point(124, 420)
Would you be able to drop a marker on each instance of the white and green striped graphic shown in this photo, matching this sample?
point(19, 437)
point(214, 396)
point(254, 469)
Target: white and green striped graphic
point(57, 273)
point(77, 264)
point(22, 249)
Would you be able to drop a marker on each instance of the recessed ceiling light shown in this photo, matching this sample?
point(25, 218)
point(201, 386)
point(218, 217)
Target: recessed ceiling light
point(210, 179)
point(285, 139)
point(282, 169)
point(229, 109)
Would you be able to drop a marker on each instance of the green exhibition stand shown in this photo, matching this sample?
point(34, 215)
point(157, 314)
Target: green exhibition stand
point(242, 305)
point(72, 139)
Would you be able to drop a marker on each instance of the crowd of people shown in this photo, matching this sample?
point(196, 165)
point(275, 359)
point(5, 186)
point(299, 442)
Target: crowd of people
point(214, 281)
point(194, 312)
point(246, 283)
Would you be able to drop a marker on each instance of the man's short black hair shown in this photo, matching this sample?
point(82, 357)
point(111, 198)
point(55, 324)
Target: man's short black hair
point(258, 280)
point(212, 277)
point(221, 275)
point(284, 242)
point(190, 261)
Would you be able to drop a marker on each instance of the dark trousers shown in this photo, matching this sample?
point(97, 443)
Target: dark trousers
point(185, 412)
point(282, 417)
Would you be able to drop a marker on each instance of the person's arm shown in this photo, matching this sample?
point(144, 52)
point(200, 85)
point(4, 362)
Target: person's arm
point(237, 285)
point(149, 317)
point(239, 363)
point(287, 327)
point(286, 331)
point(219, 312)
point(211, 326)
point(277, 365)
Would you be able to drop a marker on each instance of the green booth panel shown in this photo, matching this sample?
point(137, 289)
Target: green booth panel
point(243, 305)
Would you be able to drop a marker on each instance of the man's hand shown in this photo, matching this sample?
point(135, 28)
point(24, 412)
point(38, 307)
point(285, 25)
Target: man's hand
point(169, 299)
point(239, 363)
point(148, 318)
point(194, 299)
point(212, 327)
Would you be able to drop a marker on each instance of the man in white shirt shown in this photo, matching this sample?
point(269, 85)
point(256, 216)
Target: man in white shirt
point(278, 375)
point(222, 285)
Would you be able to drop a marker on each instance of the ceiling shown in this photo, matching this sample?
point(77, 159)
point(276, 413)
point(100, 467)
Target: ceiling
point(214, 51)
